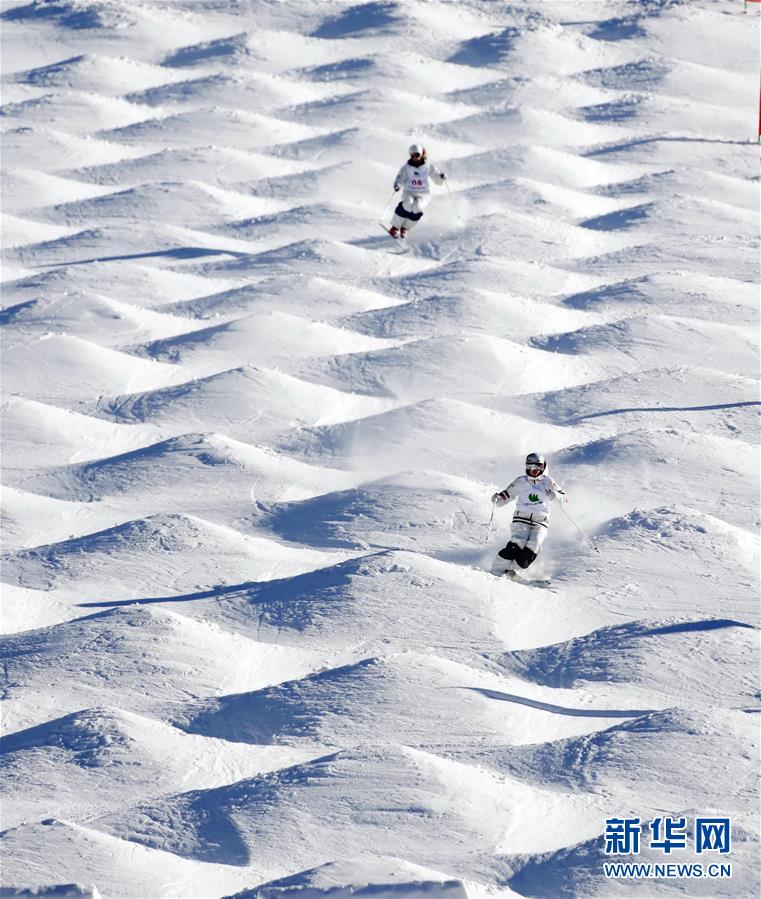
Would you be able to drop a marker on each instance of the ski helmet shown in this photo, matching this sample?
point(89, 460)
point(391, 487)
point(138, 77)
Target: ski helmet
point(535, 462)
point(417, 150)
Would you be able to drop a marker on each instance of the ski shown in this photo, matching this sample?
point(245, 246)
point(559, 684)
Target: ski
point(401, 242)
point(527, 582)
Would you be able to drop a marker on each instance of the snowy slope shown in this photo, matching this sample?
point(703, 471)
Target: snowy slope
point(251, 645)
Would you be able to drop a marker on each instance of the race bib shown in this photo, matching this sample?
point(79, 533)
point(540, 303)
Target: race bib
point(417, 182)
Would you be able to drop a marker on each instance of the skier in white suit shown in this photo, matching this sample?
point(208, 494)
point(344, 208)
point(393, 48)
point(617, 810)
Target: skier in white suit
point(533, 494)
point(413, 178)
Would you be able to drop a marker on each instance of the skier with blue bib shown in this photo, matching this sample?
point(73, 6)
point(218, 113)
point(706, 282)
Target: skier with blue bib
point(533, 493)
point(413, 179)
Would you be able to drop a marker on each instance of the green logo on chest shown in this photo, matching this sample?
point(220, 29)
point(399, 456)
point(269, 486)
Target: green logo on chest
point(533, 497)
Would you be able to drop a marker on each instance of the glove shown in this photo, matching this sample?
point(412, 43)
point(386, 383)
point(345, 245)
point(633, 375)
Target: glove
point(443, 176)
point(500, 498)
point(397, 187)
point(558, 495)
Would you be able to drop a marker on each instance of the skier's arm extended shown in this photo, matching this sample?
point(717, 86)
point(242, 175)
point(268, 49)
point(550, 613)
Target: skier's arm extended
point(556, 492)
point(400, 177)
point(504, 496)
point(438, 177)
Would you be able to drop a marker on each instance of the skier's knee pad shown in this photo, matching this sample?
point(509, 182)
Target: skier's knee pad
point(510, 552)
point(525, 557)
point(407, 213)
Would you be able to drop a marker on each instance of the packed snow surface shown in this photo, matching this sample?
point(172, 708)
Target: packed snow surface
point(251, 644)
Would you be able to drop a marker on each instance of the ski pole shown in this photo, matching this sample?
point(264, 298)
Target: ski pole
point(579, 530)
point(488, 533)
point(453, 202)
point(388, 203)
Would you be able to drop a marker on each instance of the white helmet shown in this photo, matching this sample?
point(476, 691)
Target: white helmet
point(535, 462)
point(417, 150)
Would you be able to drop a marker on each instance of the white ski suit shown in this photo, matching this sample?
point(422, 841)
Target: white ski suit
point(414, 180)
point(533, 499)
